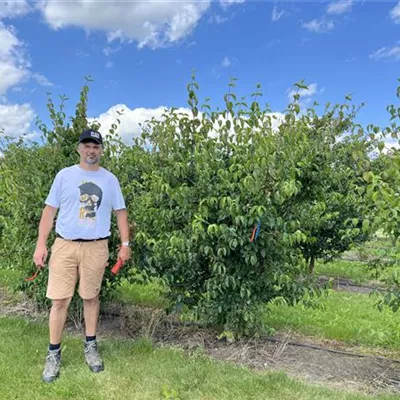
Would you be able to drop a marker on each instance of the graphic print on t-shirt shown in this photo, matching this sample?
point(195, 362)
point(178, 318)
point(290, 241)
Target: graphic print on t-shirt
point(90, 198)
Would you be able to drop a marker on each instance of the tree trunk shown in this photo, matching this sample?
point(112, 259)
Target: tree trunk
point(311, 265)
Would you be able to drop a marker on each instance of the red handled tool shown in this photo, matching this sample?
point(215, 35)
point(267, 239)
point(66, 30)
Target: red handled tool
point(115, 269)
point(33, 277)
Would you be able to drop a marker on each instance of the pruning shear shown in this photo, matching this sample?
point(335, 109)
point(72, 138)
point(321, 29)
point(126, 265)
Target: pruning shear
point(33, 277)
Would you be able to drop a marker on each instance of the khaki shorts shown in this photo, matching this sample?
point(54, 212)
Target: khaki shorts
point(72, 260)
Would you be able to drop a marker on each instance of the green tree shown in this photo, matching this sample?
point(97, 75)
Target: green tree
point(209, 178)
point(383, 197)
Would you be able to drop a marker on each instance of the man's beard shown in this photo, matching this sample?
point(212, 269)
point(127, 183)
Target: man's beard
point(91, 160)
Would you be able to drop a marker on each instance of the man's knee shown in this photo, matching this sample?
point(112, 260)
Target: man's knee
point(60, 304)
point(91, 302)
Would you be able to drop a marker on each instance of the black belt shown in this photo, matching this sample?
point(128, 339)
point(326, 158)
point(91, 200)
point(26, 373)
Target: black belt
point(83, 240)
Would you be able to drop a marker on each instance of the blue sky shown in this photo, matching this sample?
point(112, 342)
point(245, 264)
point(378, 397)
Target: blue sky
point(141, 54)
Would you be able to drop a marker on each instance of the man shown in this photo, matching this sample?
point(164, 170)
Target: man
point(84, 195)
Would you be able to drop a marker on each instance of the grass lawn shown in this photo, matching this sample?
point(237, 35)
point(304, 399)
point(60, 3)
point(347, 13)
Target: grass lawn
point(344, 316)
point(348, 317)
point(357, 271)
point(9, 277)
point(149, 294)
point(136, 370)
point(354, 270)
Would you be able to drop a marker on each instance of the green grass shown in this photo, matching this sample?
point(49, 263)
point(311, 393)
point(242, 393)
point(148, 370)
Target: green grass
point(137, 371)
point(8, 281)
point(358, 272)
point(147, 295)
point(9, 277)
point(344, 316)
point(348, 317)
point(380, 247)
point(354, 270)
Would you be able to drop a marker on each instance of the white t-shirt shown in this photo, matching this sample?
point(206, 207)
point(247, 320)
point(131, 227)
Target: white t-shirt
point(85, 200)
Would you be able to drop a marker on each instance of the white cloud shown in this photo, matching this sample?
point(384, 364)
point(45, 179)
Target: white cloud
point(225, 62)
point(13, 8)
point(228, 3)
point(9, 43)
point(41, 79)
point(319, 26)
point(304, 93)
point(218, 19)
point(131, 120)
point(109, 64)
point(276, 15)
point(10, 75)
point(15, 119)
point(13, 62)
point(149, 23)
point(110, 50)
point(339, 7)
point(395, 13)
point(81, 54)
point(191, 44)
point(15, 69)
point(387, 52)
point(277, 119)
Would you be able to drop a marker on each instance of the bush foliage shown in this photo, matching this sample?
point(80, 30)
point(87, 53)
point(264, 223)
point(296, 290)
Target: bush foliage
point(199, 186)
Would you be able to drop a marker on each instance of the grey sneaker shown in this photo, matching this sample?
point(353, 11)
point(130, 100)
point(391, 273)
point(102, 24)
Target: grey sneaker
point(92, 357)
point(52, 367)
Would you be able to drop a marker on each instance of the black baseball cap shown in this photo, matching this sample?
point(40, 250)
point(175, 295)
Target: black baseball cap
point(90, 135)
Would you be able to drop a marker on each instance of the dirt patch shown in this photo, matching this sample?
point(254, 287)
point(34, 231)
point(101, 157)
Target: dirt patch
point(16, 304)
point(315, 365)
point(348, 285)
point(329, 363)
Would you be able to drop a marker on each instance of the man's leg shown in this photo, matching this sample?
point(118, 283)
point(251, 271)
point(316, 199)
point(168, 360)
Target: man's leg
point(91, 271)
point(58, 316)
point(63, 274)
point(91, 309)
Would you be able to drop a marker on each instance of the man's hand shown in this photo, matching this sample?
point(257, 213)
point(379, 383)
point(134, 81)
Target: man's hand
point(40, 255)
point(124, 253)
point(45, 226)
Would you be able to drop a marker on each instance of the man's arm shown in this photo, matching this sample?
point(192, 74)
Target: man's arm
point(123, 227)
point(45, 227)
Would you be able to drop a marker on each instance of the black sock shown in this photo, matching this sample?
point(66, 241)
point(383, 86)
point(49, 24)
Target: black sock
point(91, 338)
point(53, 347)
